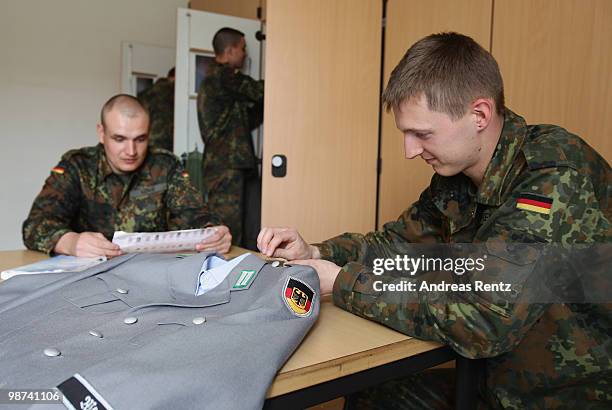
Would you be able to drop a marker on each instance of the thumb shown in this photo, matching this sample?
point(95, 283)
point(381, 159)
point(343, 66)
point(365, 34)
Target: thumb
point(300, 262)
point(282, 253)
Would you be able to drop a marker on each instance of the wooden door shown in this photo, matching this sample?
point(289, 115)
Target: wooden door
point(321, 112)
point(556, 62)
point(402, 180)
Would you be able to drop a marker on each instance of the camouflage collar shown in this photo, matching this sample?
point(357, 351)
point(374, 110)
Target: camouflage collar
point(104, 168)
point(510, 143)
point(454, 197)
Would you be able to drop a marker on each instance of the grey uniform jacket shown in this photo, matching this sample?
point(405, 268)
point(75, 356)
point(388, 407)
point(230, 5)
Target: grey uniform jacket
point(220, 350)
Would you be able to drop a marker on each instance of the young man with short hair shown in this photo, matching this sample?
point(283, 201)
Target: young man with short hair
point(497, 180)
point(118, 185)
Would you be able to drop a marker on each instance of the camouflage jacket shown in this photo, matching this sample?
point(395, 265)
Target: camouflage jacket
point(539, 356)
point(230, 105)
point(159, 100)
point(83, 194)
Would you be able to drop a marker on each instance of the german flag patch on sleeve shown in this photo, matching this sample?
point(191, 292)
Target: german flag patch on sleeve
point(534, 203)
point(298, 297)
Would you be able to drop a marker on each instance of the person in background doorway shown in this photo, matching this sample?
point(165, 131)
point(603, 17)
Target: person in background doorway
point(230, 106)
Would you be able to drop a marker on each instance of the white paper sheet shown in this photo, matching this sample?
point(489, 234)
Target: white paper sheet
point(172, 241)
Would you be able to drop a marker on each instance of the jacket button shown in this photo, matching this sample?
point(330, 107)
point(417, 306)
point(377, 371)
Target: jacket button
point(51, 352)
point(95, 333)
point(122, 291)
point(198, 320)
point(275, 264)
point(130, 320)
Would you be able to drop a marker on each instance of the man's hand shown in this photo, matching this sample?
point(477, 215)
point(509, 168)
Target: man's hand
point(86, 244)
point(285, 243)
point(220, 241)
point(328, 271)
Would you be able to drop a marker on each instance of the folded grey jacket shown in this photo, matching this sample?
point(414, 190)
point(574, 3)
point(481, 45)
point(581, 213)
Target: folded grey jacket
point(131, 334)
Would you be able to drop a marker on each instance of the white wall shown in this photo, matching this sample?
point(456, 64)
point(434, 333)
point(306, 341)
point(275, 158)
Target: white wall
point(60, 61)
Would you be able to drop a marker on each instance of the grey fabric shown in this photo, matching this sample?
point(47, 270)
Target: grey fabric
point(163, 360)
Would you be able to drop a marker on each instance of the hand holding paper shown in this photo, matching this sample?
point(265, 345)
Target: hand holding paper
point(215, 238)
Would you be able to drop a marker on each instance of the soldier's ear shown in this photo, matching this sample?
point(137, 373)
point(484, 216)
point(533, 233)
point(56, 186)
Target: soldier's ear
point(100, 132)
point(482, 109)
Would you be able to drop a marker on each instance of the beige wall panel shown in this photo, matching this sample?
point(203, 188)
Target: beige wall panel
point(238, 8)
point(408, 21)
point(557, 66)
point(321, 111)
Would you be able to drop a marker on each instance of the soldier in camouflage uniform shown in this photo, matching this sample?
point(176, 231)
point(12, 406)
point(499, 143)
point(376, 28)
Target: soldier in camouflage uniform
point(497, 180)
point(230, 106)
point(117, 185)
point(159, 101)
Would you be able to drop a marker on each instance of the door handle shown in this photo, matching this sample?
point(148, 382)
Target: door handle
point(279, 165)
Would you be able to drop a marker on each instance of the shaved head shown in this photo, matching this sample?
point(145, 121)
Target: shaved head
point(129, 106)
point(224, 38)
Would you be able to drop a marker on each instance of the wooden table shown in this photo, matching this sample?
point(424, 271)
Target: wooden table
point(341, 354)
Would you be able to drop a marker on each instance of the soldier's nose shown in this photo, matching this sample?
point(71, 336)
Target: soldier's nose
point(131, 149)
point(412, 148)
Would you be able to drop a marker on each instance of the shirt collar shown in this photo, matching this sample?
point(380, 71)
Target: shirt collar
point(104, 168)
point(510, 143)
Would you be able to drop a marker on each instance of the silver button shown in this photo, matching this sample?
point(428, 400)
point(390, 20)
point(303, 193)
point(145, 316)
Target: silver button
point(51, 352)
point(198, 320)
point(130, 320)
point(122, 291)
point(276, 264)
point(96, 333)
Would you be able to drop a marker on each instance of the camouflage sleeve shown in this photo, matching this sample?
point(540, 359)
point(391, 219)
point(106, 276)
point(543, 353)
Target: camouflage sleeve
point(185, 206)
point(53, 209)
point(473, 323)
point(420, 223)
point(255, 114)
point(242, 87)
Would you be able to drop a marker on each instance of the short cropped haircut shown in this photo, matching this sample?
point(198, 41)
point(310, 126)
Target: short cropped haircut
point(451, 70)
point(127, 105)
point(224, 38)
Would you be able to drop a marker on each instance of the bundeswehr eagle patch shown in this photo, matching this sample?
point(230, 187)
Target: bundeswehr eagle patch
point(298, 297)
point(534, 203)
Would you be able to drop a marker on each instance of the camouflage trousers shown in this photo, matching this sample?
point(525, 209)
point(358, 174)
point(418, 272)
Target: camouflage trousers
point(228, 194)
point(431, 389)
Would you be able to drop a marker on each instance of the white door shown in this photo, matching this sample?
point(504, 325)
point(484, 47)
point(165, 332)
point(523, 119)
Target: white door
point(143, 64)
point(195, 31)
